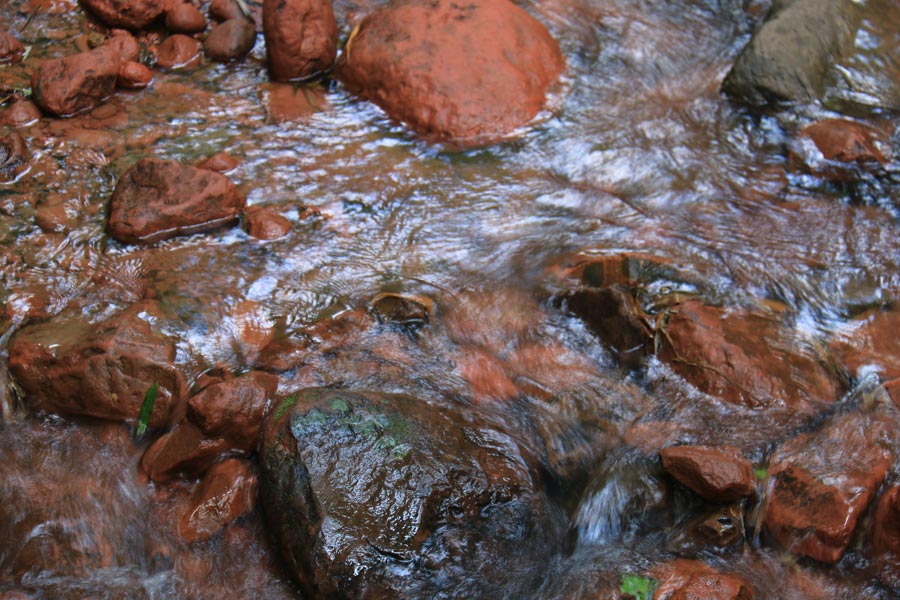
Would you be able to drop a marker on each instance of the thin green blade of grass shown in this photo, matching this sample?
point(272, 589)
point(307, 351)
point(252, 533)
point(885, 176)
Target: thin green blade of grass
point(146, 410)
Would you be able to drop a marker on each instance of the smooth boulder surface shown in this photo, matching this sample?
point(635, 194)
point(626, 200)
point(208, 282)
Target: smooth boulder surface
point(77, 83)
point(231, 40)
point(233, 409)
point(102, 370)
point(226, 493)
point(386, 496)
point(301, 38)
point(792, 52)
point(130, 14)
point(718, 474)
point(158, 199)
point(464, 74)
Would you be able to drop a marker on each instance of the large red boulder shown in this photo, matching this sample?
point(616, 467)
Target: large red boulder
point(233, 409)
point(461, 73)
point(719, 474)
point(103, 370)
point(158, 199)
point(301, 37)
point(821, 484)
point(130, 14)
point(77, 83)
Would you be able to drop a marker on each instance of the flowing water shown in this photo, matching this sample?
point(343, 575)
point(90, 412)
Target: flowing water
point(639, 152)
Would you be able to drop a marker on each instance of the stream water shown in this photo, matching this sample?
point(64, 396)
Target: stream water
point(639, 152)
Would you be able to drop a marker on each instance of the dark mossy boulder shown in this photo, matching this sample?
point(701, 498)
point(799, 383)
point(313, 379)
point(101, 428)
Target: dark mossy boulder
point(385, 496)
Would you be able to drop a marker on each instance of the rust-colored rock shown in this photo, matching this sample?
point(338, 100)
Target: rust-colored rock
point(124, 43)
point(821, 483)
point(77, 83)
point(233, 409)
point(743, 358)
point(159, 199)
point(684, 579)
point(130, 14)
point(178, 51)
point(101, 370)
point(232, 40)
point(871, 341)
point(13, 156)
point(134, 76)
point(459, 73)
point(845, 141)
point(223, 10)
point(220, 163)
point(266, 223)
point(719, 474)
point(185, 18)
point(226, 493)
point(11, 49)
point(301, 38)
point(886, 524)
point(183, 450)
point(20, 113)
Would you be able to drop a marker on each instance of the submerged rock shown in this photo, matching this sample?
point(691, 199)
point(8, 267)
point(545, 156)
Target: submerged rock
point(839, 150)
point(20, 113)
point(464, 74)
point(684, 579)
point(178, 51)
point(719, 474)
point(232, 40)
point(870, 342)
point(77, 83)
point(130, 14)
point(13, 156)
point(301, 38)
point(134, 76)
point(11, 49)
point(266, 223)
point(226, 493)
point(375, 495)
point(101, 370)
point(159, 199)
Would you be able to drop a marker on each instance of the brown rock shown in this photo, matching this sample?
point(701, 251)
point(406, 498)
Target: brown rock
point(20, 113)
point(130, 14)
point(134, 76)
point(886, 524)
point(232, 40)
point(743, 359)
point(185, 18)
point(402, 309)
point(223, 10)
point(266, 223)
point(460, 73)
point(684, 579)
point(159, 199)
point(124, 43)
point(77, 83)
point(220, 163)
point(13, 156)
point(871, 341)
point(301, 38)
point(719, 474)
point(178, 52)
point(103, 370)
point(821, 483)
point(233, 409)
point(183, 450)
point(227, 492)
point(11, 49)
point(846, 141)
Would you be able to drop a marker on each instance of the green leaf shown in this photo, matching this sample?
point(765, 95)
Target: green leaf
point(285, 405)
point(146, 410)
point(639, 588)
point(761, 472)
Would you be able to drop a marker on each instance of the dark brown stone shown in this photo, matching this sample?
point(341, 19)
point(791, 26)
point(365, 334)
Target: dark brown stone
point(223, 10)
point(134, 76)
point(77, 83)
point(233, 409)
point(129, 14)
point(464, 74)
point(266, 223)
point(185, 18)
point(11, 49)
point(14, 156)
point(226, 493)
point(301, 38)
point(232, 40)
point(182, 450)
point(178, 52)
point(718, 474)
point(159, 199)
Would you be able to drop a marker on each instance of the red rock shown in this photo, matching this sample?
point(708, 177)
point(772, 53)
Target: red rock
point(743, 359)
point(77, 83)
point(821, 483)
point(20, 113)
point(286, 102)
point(227, 492)
point(223, 10)
point(220, 163)
point(178, 52)
point(684, 579)
point(845, 141)
point(893, 389)
point(129, 14)
point(266, 223)
point(159, 199)
point(886, 523)
point(134, 76)
point(233, 409)
point(185, 18)
point(103, 370)
point(14, 156)
point(719, 474)
point(232, 40)
point(460, 73)
point(486, 375)
point(301, 38)
point(11, 49)
point(183, 450)
point(124, 43)
point(871, 340)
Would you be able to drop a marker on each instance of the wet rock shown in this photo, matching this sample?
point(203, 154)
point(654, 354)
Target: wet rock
point(375, 495)
point(184, 449)
point(178, 52)
point(20, 113)
point(266, 223)
point(220, 163)
point(791, 54)
point(820, 485)
point(185, 18)
point(301, 38)
point(286, 103)
point(718, 530)
point(77, 83)
point(870, 342)
point(159, 199)
point(226, 493)
point(11, 49)
point(129, 14)
point(409, 310)
point(233, 409)
point(613, 314)
point(743, 359)
point(684, 579)
point(134, 76)
point(463, 74)
point(223, 10)
point(72, 367)
point(13, 156)
point(839, 150)
point(124, 44)
point(232, 40)
point(886, 523)
point(718, 474)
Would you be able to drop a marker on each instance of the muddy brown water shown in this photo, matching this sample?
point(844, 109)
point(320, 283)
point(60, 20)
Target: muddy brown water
point(639, 152)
